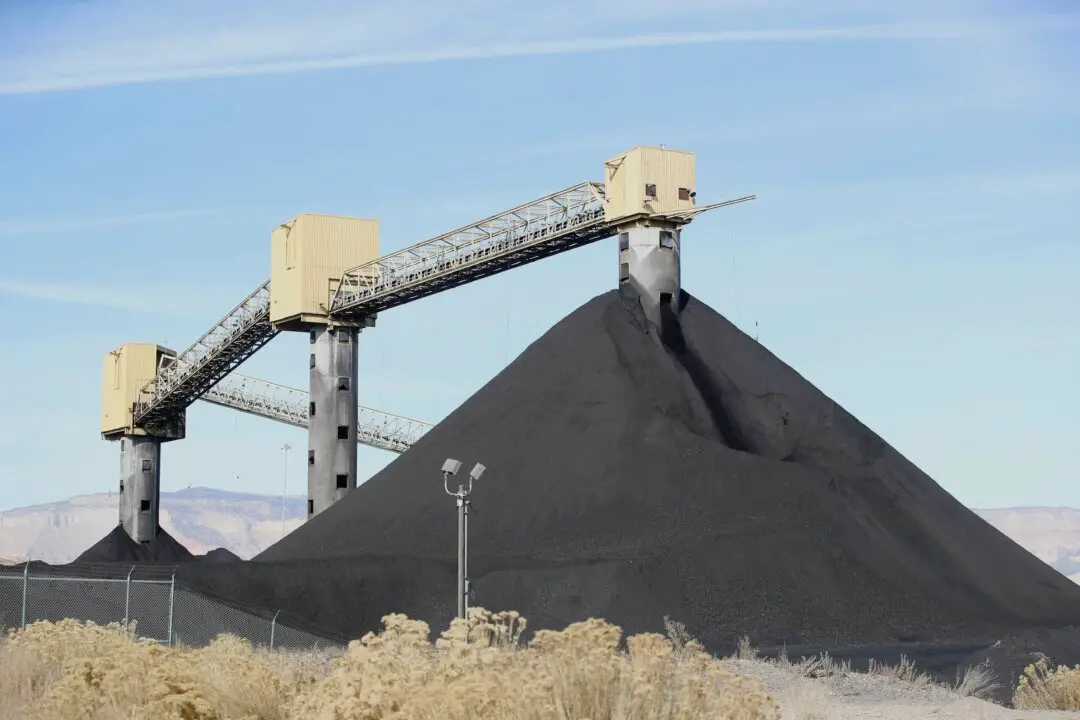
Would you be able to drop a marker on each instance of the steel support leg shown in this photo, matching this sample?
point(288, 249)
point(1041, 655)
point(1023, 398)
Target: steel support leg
point(649, 261)
point(140, 486)
point(332, 417)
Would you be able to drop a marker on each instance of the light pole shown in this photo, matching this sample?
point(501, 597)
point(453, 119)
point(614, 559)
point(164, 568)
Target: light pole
point(285, 485)
point(451, 467)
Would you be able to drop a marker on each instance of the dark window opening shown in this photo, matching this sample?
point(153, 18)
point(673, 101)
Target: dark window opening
point(310, 457)
point(147, 465)
point(667, 239)
point(684, 193)
point(624, 241)
point(145, 542)
point(144, 506)
point(650, 191)
point(345, 336)
point(343, 383)
point(624, 272)
point(121, 486)
point(311, 361)
point(342, 482)
point(342, 432)
point(310, 507)
point(311, 409)
point(312, 336)
point(665, 298)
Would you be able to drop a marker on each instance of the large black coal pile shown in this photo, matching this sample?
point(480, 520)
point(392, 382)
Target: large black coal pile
point(632, 476)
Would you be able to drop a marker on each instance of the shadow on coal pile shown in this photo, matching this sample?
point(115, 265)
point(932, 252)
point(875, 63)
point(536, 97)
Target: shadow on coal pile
point(632, 476)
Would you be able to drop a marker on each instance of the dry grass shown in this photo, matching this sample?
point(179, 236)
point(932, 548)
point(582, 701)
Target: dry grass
point(976, 681)
point(475, 669)
point(1045, 688)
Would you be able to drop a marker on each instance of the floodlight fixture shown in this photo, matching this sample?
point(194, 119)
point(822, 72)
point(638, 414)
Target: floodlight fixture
point(461, 496)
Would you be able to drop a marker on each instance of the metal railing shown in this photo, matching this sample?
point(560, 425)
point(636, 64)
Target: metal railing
point(553, 224)
point(219, 351)
point(161, 607)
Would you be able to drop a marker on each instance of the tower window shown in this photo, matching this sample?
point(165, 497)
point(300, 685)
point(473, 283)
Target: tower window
point(650, 191)
point(342, 482)
point(144, 506)
point(310, 457)
point(311, 361)
point(343, 382)
point(665, 298)
point(312, 336)
point(624, 241)
point(624, 272)
point(684, 193)
point(344, 336)
point(667, 239)
point(310, 507)
point(147, 465)
point(311, 409)
point(342, 432)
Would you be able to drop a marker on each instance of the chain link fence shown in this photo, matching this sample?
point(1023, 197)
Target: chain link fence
point(162, 608)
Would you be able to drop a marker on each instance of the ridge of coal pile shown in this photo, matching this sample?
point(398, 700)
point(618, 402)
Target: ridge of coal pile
point(220, 555)
point(117, 546)
point(632, 476)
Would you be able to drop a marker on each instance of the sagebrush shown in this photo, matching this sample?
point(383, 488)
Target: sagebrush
point(1043, 687)
point(477, 668)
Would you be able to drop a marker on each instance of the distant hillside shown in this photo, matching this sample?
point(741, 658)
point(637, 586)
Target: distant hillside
point(1050, 533)
point(205, 518)
point(200, 518)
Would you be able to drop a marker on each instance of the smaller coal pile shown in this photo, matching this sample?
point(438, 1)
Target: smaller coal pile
point(118, 547)
point(221, 555)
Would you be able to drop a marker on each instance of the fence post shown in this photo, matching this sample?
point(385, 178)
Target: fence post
point(172, 598)
point(273, 627)
point(25, 584)
point(127, 597)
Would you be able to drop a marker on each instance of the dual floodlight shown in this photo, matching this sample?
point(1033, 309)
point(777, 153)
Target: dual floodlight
point(450, 468)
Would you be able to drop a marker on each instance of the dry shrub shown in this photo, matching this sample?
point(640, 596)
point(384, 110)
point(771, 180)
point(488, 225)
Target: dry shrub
point(1044, 688)
point(70, 670)
point(977, 681)
point(477, 668)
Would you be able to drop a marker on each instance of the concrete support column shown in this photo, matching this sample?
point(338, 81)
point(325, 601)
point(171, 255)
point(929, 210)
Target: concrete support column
point(140, 486)
point(332, 416)
point(649, 261)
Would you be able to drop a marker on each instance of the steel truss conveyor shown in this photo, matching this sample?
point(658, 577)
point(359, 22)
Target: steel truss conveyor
point(289, 405)
point(220, 350)
point(551, 225)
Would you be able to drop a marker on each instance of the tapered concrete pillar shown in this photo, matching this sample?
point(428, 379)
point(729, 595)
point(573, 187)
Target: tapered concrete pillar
point(332, 416)
point(649, 261)
point(140, 486)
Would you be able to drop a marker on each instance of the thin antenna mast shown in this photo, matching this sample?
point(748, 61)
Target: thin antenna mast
point(735, 283)
point(284, 485)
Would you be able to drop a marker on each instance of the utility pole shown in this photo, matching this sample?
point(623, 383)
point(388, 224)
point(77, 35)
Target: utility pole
point(285, 485)
point(449, 468)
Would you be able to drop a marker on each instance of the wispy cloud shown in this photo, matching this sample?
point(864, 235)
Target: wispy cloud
point(154, 300)
point(244, 52)
point(13, 228)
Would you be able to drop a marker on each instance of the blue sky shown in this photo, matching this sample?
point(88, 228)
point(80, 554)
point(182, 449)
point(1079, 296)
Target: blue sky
point(913, 251)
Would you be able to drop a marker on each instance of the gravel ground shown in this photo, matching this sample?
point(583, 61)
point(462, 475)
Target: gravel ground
point(860, 696)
